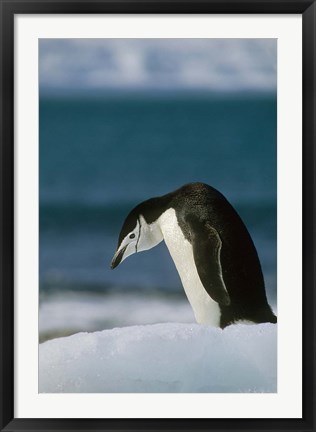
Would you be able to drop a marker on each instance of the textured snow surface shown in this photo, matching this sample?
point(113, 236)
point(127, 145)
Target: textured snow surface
point(162, 358)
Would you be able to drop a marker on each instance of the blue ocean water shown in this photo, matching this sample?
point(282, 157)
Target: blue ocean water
point(102, 155)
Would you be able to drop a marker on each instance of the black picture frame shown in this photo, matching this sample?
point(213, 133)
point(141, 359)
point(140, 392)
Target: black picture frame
point(8, 9)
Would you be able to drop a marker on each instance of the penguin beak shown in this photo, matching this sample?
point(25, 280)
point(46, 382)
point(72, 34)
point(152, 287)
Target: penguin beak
point(118, 257)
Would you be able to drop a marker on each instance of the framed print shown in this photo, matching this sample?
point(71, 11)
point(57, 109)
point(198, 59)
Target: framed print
point(184, 131)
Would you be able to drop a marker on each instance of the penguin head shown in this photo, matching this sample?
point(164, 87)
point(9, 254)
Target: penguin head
point(137, 235)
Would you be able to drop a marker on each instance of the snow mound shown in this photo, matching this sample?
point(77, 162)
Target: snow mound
point(162, 358)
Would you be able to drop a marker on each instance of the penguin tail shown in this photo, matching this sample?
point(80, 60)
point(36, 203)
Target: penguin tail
point(267, 316)
point(272, 318)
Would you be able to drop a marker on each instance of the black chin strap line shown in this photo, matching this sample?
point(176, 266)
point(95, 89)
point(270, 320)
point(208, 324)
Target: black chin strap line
point(140, 228)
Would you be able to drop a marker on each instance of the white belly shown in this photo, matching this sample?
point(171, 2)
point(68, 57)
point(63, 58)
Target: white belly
point(205, 309)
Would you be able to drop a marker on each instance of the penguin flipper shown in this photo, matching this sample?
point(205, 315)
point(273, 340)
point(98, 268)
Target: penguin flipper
point(207, 244)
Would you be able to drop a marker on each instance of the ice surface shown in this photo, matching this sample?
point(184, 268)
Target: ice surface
point(162, 358)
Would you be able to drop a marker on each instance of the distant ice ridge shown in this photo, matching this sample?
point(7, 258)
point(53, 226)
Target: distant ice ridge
point(66, 313)
point(205, 64)
point(162, 358)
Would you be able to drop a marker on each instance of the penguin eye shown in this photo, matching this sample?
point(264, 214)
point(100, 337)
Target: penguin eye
point(131, 236)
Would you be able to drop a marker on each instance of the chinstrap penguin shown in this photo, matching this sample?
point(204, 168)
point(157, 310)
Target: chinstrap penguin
point(212, 250)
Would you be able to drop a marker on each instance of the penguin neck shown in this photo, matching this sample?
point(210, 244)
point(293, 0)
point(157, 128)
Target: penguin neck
point(150, 234)
point(154, 208)
point(150, 213)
